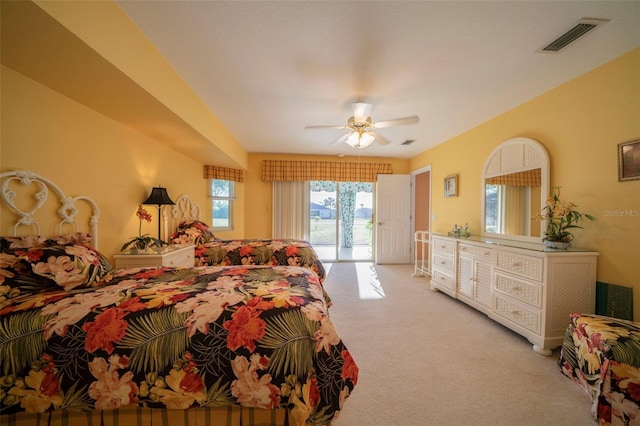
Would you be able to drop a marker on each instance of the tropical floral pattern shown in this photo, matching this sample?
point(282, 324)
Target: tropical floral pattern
point(28, 241)
point(602, 355)
point(253, 336)
point(214, 252)
point(192, 232)
point(31, 265)
point(259, 252)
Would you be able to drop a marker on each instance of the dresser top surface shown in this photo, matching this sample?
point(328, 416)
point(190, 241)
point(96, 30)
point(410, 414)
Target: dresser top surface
point(539, 247)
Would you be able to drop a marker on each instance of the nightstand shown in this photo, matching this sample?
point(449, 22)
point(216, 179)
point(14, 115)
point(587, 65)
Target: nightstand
point(171, 256)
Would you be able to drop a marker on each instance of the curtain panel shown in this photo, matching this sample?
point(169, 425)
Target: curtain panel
point(223, 173)
point(291, 210)
point(527, 178)
point(302, 170)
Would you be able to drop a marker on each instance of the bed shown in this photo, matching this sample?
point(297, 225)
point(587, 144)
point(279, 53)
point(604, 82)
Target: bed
point(184, 225)
point(602, 355)
point(83, 343)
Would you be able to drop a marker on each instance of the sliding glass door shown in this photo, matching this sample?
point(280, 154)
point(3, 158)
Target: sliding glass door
point(341, 220)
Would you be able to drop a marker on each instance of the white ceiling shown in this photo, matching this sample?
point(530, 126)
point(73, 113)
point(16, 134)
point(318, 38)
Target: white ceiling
point(267, 69)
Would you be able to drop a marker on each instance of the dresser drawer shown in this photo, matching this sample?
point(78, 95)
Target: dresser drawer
point(443, 263)
point(180, 259)
point(444, 280)
point(518, 289)
point(527, 318)
point(174, 257)
point(137, 261)
point(444, 246)
point(475, 251)
point(526, 266)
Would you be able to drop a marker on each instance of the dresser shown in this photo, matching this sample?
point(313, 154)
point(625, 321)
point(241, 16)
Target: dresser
point(171, 256)
point(526, 287)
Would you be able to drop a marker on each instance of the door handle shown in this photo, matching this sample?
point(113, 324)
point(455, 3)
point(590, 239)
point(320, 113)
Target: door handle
point(379, 223)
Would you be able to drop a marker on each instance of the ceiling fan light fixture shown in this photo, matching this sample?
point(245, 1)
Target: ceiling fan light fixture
point(361, 127)
point(360, 139)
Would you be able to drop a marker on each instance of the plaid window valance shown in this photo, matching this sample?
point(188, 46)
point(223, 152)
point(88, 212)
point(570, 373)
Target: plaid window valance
point(292, 170)
point(224, 173)
point(526, 178)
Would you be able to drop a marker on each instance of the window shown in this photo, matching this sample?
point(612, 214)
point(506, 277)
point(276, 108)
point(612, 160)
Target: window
point(222, 195)
point(494, 208)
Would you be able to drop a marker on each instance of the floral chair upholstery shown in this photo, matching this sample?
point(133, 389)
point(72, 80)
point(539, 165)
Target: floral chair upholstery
point(602, 355)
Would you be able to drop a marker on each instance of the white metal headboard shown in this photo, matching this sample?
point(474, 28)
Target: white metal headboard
point(183, 209)
point(67, 212)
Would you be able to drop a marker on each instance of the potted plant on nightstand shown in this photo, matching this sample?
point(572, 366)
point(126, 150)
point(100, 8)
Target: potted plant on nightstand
point(142, 243)
point(561, 217)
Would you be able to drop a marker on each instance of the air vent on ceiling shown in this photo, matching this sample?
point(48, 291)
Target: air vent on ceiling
point(408, 142)
point(582, 27)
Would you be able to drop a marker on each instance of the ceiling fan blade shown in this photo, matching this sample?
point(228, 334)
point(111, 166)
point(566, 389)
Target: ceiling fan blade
point(380, 139)
point(397, 122)
point(326, 127)
point(342, 139)
point(361, 110)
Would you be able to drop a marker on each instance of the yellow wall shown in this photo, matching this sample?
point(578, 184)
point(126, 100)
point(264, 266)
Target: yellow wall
point(580, 124)
point(86, 153)
point(109, 31)
point(93, 53)
point(259, 195)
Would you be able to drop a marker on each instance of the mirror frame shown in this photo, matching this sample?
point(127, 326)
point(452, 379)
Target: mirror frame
point(530, 155)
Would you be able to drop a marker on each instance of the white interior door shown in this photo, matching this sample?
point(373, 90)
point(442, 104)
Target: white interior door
point(393, 219)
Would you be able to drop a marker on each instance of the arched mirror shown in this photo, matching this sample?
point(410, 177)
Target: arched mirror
point(515, 186)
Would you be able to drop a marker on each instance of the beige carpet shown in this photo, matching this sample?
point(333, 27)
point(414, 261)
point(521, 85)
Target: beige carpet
point(427, 359)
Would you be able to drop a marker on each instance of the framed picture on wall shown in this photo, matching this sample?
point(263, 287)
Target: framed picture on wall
point(451, 186)
point(629, 160)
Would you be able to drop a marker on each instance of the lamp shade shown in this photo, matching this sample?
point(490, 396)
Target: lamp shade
point(159, 197)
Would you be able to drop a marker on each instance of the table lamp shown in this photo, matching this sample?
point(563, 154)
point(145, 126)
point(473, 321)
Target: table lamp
point(160, 198)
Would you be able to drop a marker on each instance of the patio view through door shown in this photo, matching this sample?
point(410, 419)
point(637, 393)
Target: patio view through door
point(341, 226)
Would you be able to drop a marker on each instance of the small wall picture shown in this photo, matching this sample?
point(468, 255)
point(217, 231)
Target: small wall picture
point(451, 186)
point(629, 160)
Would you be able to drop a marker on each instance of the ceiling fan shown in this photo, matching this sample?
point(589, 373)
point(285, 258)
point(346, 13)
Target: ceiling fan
point(361, 127)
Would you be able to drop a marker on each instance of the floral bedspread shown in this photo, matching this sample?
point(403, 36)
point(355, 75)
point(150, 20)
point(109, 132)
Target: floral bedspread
point(259, 252)
point(602, 355)
point(254, 336)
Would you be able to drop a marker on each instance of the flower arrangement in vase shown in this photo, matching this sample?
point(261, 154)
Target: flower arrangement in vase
point(561, 217)
point(142, 243)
